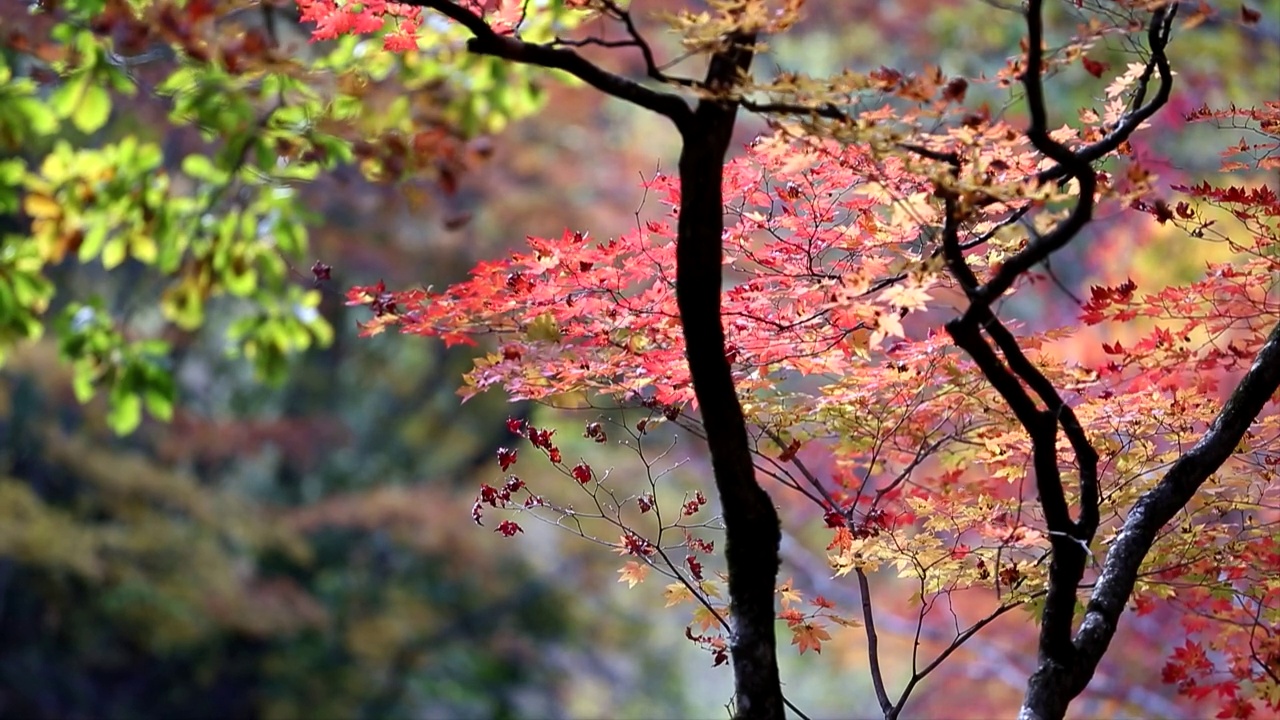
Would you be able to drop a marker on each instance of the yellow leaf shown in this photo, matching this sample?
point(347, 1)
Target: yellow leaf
point(676, 593)
point(143, 248)
point(910, 297)
point(789, 595)
point(888, 324)
point(704, 618)
point(842, 563)
point(710, 588)
point(41, 206)
point(544, 327)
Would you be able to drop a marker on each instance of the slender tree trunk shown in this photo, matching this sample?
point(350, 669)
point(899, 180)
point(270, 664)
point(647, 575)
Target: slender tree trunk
point(752, 531)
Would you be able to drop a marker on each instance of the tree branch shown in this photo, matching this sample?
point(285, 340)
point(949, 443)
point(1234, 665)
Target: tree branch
point(646, 51)
point(487, 41)
point(873, 644)
point(1046, 690)
point(1159, 32)
point(1076, 165)
point(752, 527)
point(1060, 675)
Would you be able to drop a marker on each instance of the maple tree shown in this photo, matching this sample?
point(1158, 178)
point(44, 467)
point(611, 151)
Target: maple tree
point(856, 233)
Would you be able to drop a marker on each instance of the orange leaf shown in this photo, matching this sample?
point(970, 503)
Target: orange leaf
point(633, 573)
point(809, 636)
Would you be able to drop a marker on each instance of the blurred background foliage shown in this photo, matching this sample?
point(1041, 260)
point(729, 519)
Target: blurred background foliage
point(216, 501)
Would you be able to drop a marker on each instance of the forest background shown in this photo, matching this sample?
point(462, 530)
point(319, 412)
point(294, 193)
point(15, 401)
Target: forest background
point(256, 512)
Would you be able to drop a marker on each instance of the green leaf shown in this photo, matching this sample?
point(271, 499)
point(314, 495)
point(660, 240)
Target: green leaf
point(159, 398)
point(183, 305)
point(82, 382)
point(32, 290)
point(94, 238)
point(126, 410)
point(241, 283)
point(64, 99)
point(94, 109)
point(114, 252)
point(290, 236)
point(11, 171)
point(201, 167)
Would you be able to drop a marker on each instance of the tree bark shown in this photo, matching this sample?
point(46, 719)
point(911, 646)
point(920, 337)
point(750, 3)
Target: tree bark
point(752, 531)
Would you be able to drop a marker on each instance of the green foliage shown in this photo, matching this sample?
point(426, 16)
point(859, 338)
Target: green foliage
point(136, 372)
point(194, 191)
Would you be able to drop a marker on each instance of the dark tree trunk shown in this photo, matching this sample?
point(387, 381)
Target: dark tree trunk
point(752, 532)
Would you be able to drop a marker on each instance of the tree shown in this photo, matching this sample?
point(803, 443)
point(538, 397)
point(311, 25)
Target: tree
point(927, 205)
point(207, 203)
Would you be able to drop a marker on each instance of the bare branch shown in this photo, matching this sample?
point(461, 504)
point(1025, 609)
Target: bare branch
point(954, 645)
point(873, 644)
point(487, 41)
point(646, 51)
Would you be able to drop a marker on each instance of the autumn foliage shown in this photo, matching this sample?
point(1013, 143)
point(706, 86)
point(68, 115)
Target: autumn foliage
point(876, 236)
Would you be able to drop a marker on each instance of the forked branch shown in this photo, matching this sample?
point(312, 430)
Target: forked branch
point(1064, 668)
point(1078, 164)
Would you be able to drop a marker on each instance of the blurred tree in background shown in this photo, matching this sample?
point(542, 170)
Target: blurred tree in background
point(290, 542)
point(216, 501)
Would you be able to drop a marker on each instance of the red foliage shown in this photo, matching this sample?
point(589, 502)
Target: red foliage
point(832, 311)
